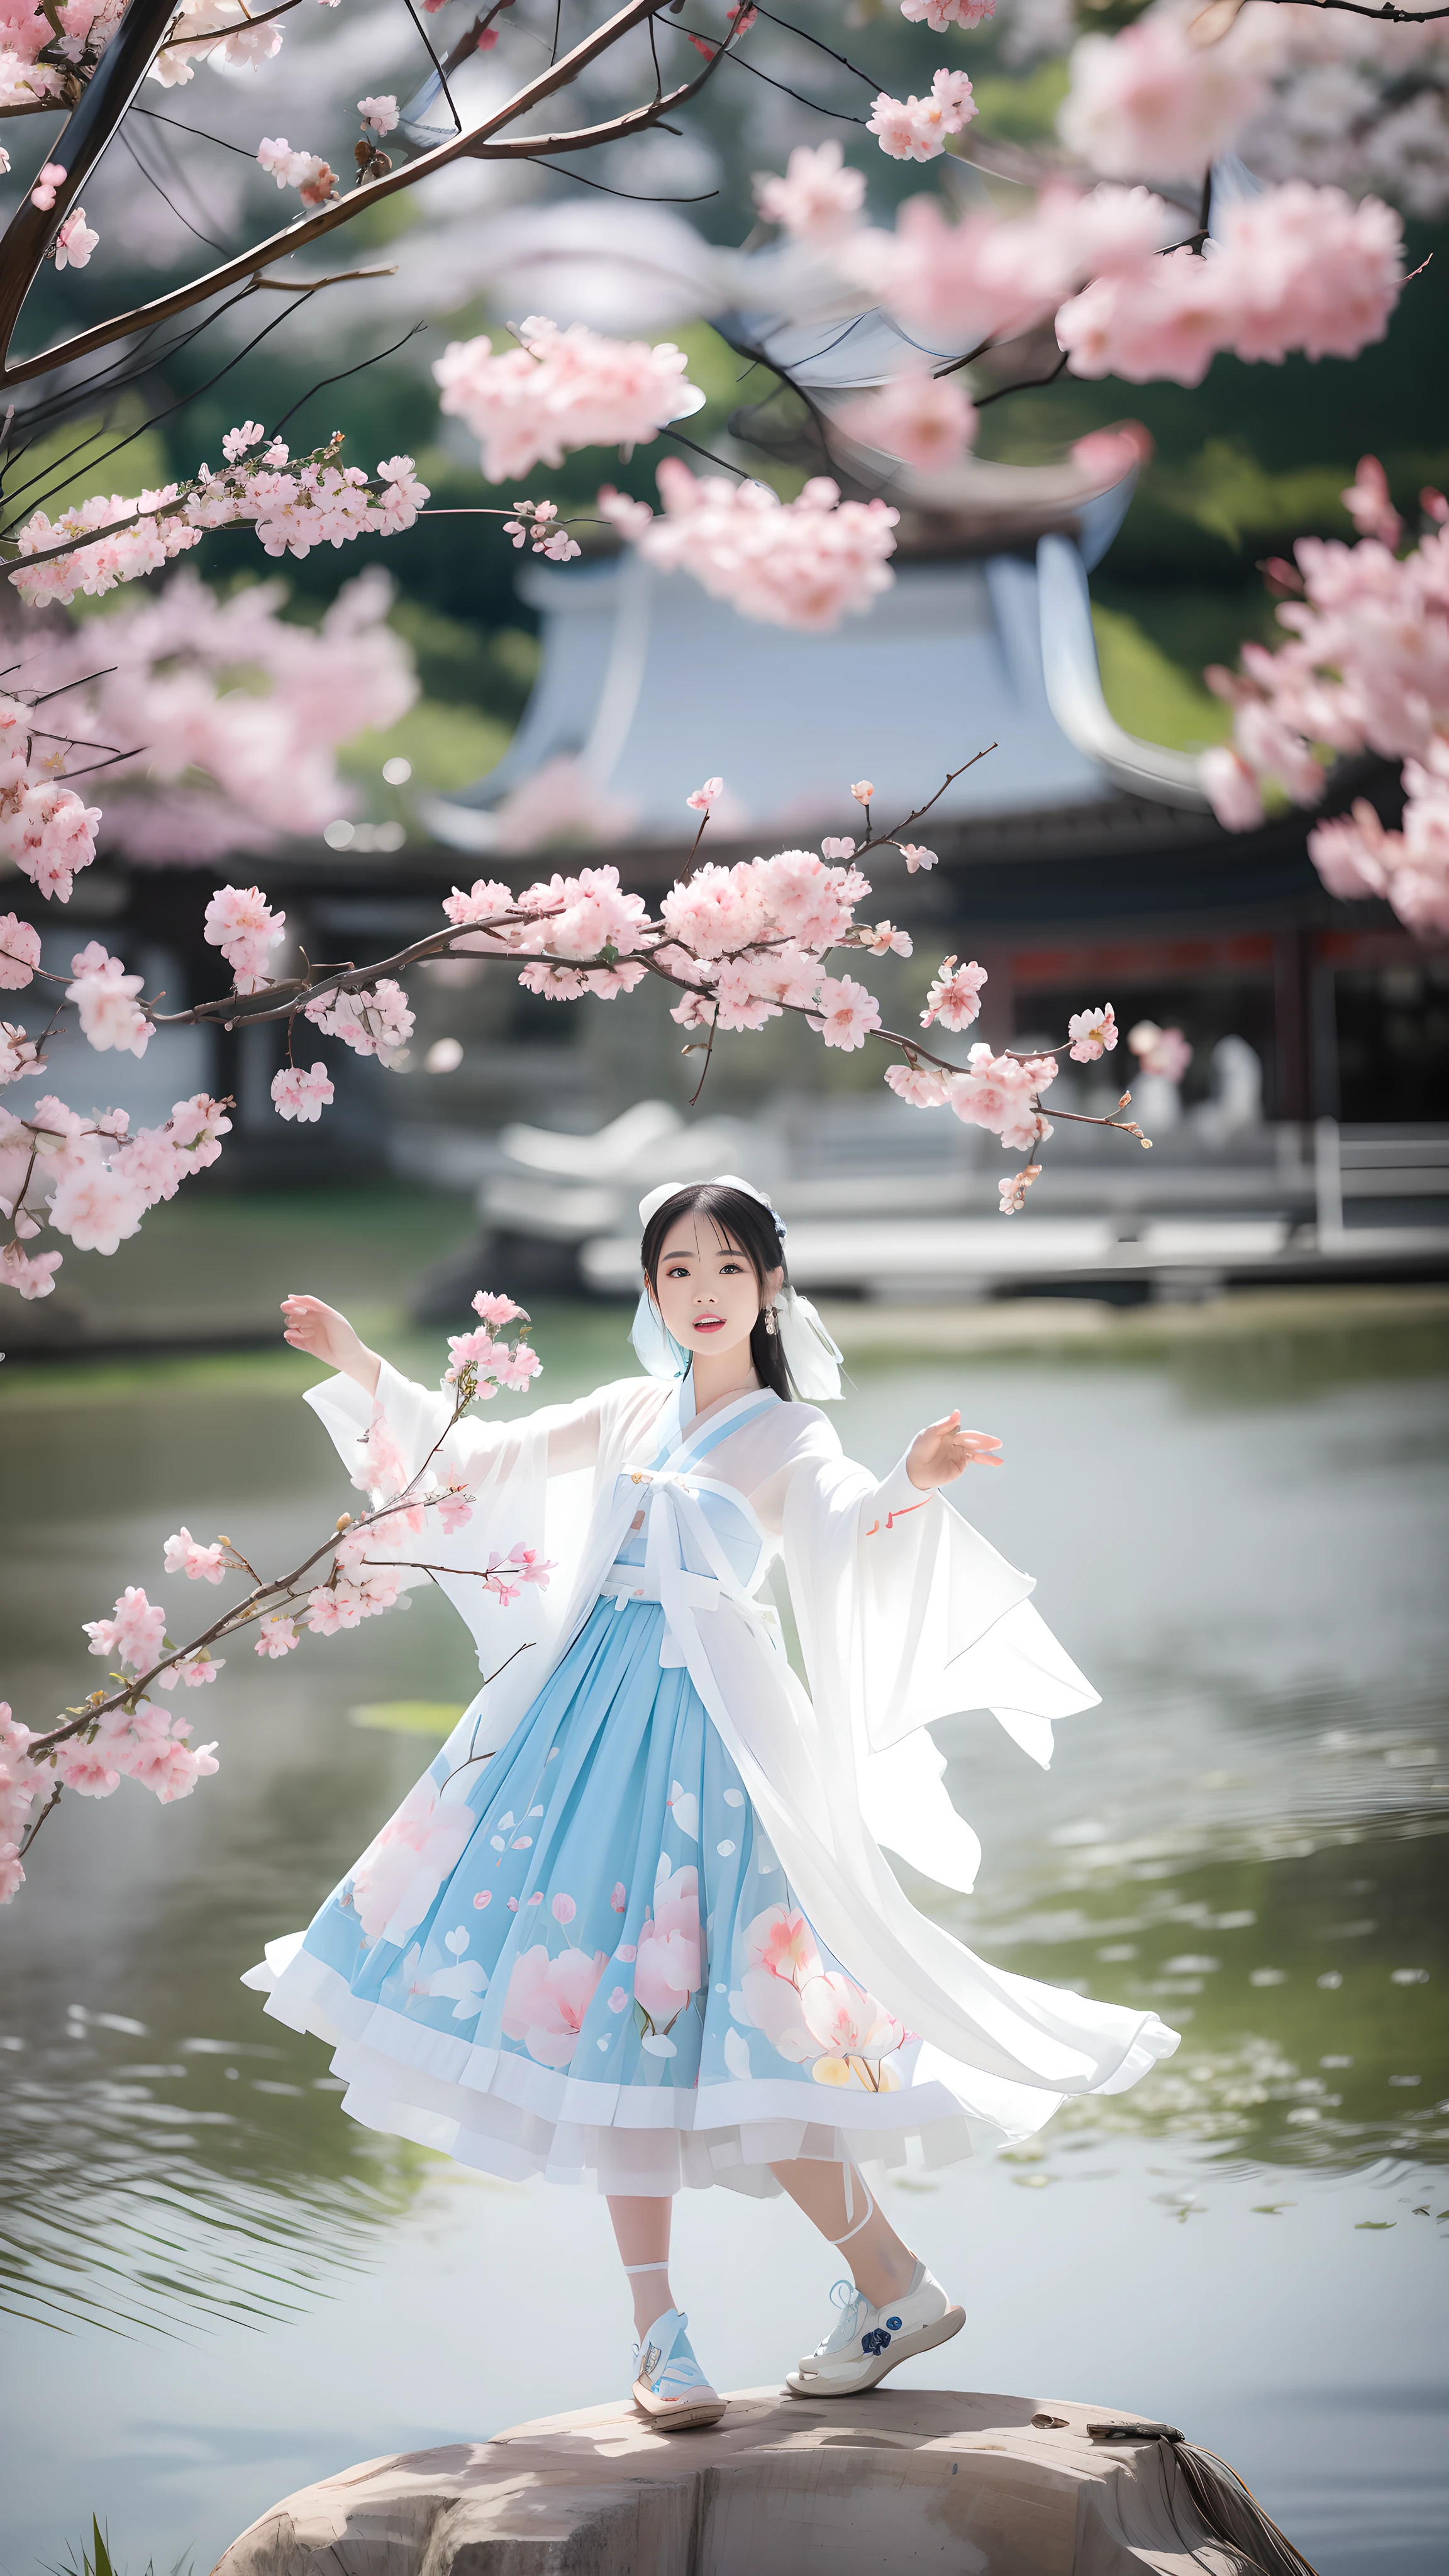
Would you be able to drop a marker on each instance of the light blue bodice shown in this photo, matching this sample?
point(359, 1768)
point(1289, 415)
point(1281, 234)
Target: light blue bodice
point(682, 1451)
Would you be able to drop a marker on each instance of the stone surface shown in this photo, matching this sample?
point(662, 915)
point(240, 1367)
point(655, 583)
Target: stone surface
point(900, 2480)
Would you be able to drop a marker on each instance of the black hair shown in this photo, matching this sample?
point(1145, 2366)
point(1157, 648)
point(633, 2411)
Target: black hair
point(753, 1229)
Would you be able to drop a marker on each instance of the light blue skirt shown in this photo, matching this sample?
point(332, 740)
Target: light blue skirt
point(588, 1962)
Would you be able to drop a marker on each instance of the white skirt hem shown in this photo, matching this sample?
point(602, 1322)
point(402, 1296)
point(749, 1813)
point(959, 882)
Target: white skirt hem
point(509, 2116)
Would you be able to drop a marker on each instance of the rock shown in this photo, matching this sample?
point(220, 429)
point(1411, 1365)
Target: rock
point(900, 2480)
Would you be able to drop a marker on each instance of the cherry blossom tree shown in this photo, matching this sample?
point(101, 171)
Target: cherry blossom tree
point(1126, 279)
point(1230, 178)
point(741, 945)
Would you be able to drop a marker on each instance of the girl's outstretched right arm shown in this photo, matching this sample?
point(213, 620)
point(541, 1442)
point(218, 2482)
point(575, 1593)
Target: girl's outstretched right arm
point(327, 1336)
point(421, 1414)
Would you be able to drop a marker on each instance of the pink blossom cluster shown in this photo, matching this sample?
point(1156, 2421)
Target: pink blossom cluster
point(489, 1360)
point(993, 276)
point(105, 999)
point(361, 1582)
point(302, 1094)
point(376, 1021)
point(750, 941)
point(804, 563)
point(171, 691)
point(101, 1179)
point(955, 995)
point(569, 917)
point(561, 390)
point(1356, 856)
point(1012, 1193)
point(747, 941)
point(314, 181)
point(927, 421)
point(78, 32)
point(215, 31)
point(999, 1093)
point(46, 830)
point(200, 1563)
point(19, 1053)
point(21, 1783)
point(1093, 1034)
point(1298, 268)
point(1149, 103)
point(241, 923)
point(535, 527)
point(938, 15)
point(135, 1634)
point(1164, 1052)
point(23, 78)
point(817, 200)
point(143, 1743)
point(293, 506)
point(97, 567)
point(915, 129)
point(846, 1013)
point(1295, 93)
point(1366, 668)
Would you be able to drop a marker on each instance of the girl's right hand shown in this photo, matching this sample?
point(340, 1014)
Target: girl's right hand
point(325, 1335)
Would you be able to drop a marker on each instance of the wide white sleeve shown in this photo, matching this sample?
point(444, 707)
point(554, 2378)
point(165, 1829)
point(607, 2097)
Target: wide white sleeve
point(520, 1473)
point(418, 1417)
point(912, 1613)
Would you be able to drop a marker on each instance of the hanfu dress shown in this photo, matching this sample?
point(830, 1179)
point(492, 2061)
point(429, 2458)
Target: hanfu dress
point(635, 1923)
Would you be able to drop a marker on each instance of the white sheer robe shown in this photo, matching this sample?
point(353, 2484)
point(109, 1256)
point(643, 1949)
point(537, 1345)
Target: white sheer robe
point(905, 1614)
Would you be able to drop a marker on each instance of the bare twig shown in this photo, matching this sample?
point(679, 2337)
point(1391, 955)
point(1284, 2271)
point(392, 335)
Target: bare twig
point(128, 57)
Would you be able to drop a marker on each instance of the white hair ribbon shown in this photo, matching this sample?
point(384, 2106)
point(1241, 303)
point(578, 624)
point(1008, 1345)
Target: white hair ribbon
point(654, 1199)
point(811, 1356)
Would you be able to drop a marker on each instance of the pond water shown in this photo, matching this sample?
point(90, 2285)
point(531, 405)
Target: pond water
point(218, 2287)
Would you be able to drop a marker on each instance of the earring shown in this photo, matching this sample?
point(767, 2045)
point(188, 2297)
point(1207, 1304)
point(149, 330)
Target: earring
point(771, 1326)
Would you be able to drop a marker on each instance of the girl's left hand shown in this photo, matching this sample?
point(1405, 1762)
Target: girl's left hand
point(943, 1451)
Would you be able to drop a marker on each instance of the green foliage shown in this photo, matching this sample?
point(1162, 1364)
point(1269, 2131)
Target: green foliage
point(448, 746)
point(488, 669)
point(1022, 106)
point(431, 1717)
point(95, 2558)
point(1151, 693)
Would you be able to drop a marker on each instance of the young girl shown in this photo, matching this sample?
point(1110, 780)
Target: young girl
point(635, 1921)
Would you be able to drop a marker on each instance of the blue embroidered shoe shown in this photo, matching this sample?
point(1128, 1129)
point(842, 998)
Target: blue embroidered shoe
point(669, 2386)
point(867, 2342)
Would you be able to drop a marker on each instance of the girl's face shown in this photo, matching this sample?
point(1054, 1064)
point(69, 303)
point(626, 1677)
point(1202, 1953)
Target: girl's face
point(706, 1289)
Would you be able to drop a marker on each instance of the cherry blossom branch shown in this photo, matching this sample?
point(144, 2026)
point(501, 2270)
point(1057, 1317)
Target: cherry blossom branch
point(125, 1729)
point(1386, 11)
point(85, 137)
point(892, 839)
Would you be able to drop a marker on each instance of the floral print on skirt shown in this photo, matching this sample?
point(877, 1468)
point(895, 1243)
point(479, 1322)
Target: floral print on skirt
point(596, 1938)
